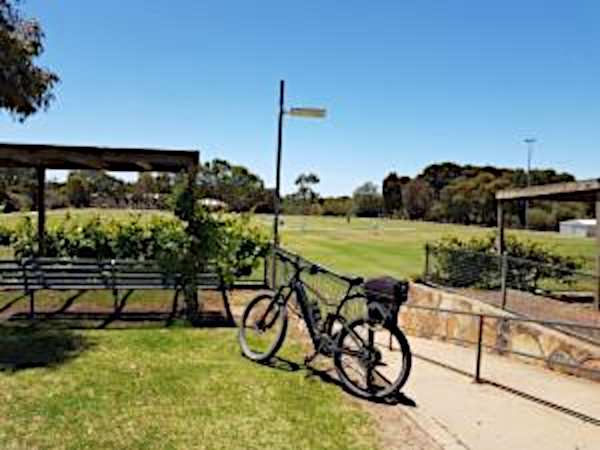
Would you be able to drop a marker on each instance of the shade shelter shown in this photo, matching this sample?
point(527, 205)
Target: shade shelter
point(577, 191)
point(43, 157)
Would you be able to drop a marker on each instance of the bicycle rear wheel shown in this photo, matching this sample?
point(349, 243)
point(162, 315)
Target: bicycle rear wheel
point(263, 328)
point(366, 365)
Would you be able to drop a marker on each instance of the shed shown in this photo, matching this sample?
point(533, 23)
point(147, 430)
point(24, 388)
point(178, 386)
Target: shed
point(578, 227)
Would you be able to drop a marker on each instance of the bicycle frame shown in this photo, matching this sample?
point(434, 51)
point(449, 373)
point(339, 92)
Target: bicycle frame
point(322, 336)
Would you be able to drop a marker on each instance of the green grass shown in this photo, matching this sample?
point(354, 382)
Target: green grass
point(177, 388)
point(369, 247)
point(190, 388)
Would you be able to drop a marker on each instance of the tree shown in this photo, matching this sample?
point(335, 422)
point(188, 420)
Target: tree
point(24, 87)
point(235, 185)
point(79, 190)
point(418, 199)
point(17, 189)
point(438, 176)
point(306, 183)
point(367, 201)
point(392, 193)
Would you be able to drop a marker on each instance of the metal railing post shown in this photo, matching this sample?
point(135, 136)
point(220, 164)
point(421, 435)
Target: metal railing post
point(479, 345)
point(426, 274)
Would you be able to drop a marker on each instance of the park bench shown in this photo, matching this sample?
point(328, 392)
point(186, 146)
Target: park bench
point(36, 274)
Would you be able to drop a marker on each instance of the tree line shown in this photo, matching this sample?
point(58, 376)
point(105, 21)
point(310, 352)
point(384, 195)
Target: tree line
point(445, 192)
point(233, 185)
point(465, 194)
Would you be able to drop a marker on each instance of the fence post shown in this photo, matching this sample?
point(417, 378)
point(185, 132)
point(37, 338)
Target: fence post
point(479, 345)
point(504, 275)
point(426, 274)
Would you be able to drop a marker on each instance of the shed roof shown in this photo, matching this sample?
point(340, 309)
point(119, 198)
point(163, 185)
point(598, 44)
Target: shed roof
point(580, 222)
point(98, 158)
point(582, 191)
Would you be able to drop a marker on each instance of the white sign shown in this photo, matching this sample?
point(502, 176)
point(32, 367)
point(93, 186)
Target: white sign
point(307, 112)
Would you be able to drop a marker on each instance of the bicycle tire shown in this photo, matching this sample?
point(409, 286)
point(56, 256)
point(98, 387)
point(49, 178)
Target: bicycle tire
point(280, 314)
point(368, 392)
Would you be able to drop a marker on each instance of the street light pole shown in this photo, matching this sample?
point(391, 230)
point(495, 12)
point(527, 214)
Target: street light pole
point(278, 184)
point(529, 142)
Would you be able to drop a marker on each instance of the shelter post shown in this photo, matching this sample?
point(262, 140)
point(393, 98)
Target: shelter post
point(597, 293)
point(500, 220)
point(41, 209)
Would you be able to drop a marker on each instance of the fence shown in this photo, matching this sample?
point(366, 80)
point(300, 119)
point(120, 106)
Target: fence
point(529, 288)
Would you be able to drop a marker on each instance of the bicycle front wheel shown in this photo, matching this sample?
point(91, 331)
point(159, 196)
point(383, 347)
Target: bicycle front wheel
point(263, 328)
point(366, 365)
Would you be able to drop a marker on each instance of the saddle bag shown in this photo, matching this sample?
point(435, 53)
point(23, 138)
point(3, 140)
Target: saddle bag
point(384, 296)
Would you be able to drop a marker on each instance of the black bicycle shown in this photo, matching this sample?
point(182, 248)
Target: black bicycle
point(366, 359)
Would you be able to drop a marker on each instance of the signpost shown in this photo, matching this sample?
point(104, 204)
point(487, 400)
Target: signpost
point(316, 113)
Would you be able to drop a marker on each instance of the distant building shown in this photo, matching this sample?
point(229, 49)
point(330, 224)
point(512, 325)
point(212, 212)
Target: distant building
point(213, 204)
point(579, 227)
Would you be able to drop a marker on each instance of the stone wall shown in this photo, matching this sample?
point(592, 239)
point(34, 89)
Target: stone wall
point(549, 347)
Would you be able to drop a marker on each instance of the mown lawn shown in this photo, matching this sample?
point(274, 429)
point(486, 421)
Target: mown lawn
point(370, 247)
point(176, 388)
point(363, 246)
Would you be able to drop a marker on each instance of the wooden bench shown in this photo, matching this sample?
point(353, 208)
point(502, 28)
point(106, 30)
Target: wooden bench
point(31, 275)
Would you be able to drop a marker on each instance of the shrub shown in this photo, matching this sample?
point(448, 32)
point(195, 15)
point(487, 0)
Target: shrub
point(237, 244)
point(342, 206)
point(474, 262)
point(5, 235)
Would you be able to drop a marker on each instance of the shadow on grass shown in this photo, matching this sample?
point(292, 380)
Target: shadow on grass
point(325, 375)
point(29, 347)
point(120, 320)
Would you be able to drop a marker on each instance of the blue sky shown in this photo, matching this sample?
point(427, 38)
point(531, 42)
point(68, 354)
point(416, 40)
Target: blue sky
point(405, 83)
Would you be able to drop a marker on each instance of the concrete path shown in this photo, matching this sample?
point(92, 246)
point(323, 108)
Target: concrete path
point(537, 408)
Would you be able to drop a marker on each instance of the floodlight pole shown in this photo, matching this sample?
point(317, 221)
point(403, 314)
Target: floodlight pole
point(277, 186)
point(529, 142)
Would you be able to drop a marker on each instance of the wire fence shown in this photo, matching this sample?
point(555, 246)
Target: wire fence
point(528, 288)
point(325, 288)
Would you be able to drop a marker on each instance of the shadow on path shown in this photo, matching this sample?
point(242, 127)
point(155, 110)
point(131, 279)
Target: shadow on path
point(327, 377)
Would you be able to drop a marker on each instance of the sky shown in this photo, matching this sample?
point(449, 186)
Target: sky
point(405, 83)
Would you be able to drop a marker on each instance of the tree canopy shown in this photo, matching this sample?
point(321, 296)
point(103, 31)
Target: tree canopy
point(449, 192)
point(25, 87)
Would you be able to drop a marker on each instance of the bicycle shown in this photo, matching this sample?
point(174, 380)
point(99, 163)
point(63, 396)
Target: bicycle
point(363, 368)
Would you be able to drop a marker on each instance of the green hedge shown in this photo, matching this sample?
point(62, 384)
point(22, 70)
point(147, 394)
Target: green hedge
point(474, 262)
point(235, 242)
